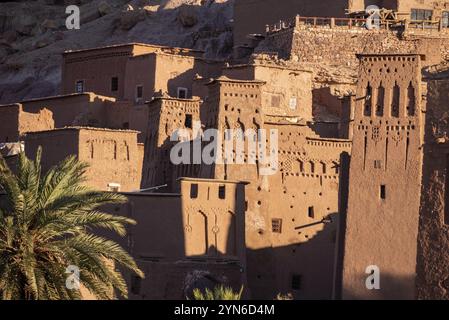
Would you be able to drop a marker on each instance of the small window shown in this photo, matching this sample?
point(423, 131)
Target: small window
point(377, 164)
point(276, 225)
point(383, 192)
point(421, 14)
point(445, 19)
point(193, 191)
point(125, 125)
point(222, 192)
point(136, 284)
point(79, 87)
point(182, 93)
point(114, 187)
point(188, 121)
point(296, 282)
point(114, 84)
point(139, 92)
point(311, 212)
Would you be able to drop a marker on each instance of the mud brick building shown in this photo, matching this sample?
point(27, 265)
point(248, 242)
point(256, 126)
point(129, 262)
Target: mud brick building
point(358, 122)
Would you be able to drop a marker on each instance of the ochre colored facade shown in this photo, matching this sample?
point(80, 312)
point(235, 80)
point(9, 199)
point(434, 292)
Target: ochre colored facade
point(385, 177)
point(197, 230)
point(113, 155)
point(362, 184)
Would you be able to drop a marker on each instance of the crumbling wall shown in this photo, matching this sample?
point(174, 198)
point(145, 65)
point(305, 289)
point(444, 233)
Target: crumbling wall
point(433, 239)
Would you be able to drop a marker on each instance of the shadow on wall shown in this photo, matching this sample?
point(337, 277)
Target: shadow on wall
point(181, 244)
point(298, 269)
point(391, 288)
point(432, 279)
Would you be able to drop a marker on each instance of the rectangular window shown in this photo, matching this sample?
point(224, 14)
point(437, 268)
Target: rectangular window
point(139, 92)
point(193, 191)
point(114, 84)
point(182, 93)
point(296, 282)
point(383, 192)
point(79, 87)
point(188, 121)
point(276, 225)
point(377, 164)
point(421, 14)
point(311, 212)
point(222, 192)
point(445, 19)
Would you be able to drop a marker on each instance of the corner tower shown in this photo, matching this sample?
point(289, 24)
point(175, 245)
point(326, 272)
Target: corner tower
point(384, 178)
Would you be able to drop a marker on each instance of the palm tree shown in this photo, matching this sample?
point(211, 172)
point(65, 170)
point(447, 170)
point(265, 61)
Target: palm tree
point(47, 223)
point(218, 293)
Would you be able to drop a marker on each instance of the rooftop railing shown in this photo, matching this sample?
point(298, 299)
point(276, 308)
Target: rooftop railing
point(354, 23)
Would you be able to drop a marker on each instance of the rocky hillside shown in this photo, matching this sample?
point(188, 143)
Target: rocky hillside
point(33, 35)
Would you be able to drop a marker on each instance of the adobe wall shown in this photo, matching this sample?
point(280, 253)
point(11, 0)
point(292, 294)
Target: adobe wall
point(165, 73)
point(9, 130)
point(177, 235)
point(112, 155)
point(306, 160)
point(166, 115)
point(199, 221)
point(140, 70)
point(127, 115)
point(339, 45)
point(271, 11)
point(286, 92)
point(303, 193)
point(159, 232)
point(432, 280)
point(214, 220)
point(171, 281)
point(96, 67)
point(87, 109)
point(56, 146)
point(384, 178)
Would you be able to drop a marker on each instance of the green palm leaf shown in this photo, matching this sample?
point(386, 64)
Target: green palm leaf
point(47, 222)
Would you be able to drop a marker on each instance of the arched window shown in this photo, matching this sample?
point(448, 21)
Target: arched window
point(368, 98)
point(395, 101)
point(380, 101)
point(411, 102)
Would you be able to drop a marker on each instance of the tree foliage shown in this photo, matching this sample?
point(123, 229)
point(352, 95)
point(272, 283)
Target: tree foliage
point(218, 293)
point(47, 222)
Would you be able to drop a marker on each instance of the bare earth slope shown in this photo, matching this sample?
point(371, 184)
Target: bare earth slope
point(33, 35)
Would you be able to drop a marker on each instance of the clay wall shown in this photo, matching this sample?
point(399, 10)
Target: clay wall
point(112, 155)
point(384, 179)
point(432, 281)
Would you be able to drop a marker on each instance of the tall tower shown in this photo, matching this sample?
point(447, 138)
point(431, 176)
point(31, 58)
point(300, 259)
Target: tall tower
point(384, 179)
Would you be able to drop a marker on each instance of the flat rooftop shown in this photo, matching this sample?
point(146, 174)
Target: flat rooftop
point(76, 128)
point(130, 44)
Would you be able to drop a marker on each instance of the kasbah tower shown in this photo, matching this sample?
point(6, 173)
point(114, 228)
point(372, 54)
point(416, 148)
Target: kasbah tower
point(385, 175)
point(358, 204)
